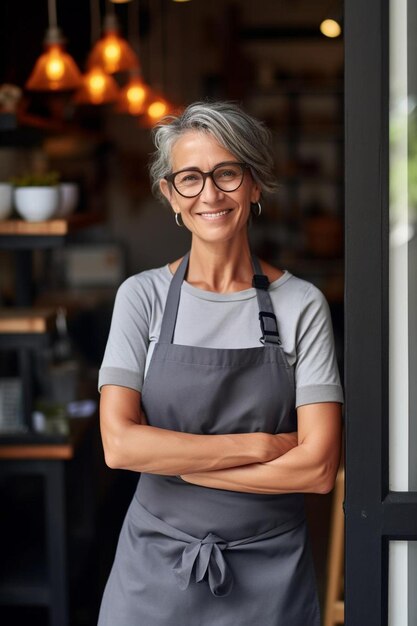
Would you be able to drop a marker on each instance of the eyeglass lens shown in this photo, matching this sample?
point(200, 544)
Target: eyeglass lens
point(226, 177)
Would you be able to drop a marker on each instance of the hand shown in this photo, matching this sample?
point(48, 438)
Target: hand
point(282, 443)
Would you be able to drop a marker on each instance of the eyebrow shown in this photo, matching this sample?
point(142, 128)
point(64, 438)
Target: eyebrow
point(194, 168)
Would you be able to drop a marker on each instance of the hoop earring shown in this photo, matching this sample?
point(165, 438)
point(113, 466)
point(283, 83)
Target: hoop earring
point(259, 209)
point(177, 220)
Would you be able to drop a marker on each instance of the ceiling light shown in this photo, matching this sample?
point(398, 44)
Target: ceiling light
point(55, 70)
point(112, 52)
point(156, 108)
point(134, 96)
point(330, 28)
point(98, 87)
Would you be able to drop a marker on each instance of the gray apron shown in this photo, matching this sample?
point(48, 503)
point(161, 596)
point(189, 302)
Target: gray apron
point(195, 556)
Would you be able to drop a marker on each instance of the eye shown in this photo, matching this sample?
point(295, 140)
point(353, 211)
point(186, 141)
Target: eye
point(227, 172)
point(187, 178)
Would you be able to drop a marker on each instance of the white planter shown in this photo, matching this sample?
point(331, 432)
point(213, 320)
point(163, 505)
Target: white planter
point(6, 205)
point(68, 198)
point(36, 204)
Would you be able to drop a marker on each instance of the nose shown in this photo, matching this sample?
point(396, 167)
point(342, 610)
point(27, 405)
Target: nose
point(210, 192)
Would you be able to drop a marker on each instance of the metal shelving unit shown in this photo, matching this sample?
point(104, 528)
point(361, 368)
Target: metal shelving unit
point(38, 571)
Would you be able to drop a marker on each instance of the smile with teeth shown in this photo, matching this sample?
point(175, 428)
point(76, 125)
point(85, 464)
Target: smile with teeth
point(212, 215)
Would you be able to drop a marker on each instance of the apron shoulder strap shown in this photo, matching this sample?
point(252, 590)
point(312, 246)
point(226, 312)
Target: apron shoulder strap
point(267, 318)
point(173, 299)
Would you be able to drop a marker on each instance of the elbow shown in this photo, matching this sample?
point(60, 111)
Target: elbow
point(325, 479)
point(111, 460)
point(113, 456)
point(325, 487)
point(119, 452)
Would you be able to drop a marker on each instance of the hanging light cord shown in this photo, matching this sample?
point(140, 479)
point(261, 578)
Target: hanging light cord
point(164, 38)
point(110, 17)
point(110, 10)
point(53, 34)
point(133, 25)
point(52, 14)
point(95, 20)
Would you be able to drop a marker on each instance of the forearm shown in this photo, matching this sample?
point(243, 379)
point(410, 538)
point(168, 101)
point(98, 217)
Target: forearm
point(296, 471)
point(143, 448)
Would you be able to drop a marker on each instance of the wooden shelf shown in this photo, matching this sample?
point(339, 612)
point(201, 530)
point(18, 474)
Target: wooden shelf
point(26, 321)
point(74, 298)
point(61, 451)
point(53, 227)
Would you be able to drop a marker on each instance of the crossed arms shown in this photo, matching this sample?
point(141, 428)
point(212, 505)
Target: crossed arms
point(306, 461)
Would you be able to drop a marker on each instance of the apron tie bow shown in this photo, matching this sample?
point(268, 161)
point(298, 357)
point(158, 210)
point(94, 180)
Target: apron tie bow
point(205, 558)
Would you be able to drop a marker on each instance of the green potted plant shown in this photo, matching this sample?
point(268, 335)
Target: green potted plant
point(6, 194)
point(36, 195)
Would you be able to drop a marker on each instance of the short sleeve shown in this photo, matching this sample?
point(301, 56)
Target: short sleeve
point(316, 372)
point(127, 345)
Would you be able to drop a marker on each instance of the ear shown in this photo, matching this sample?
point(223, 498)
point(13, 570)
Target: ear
point(167, 191)
point(255, 193)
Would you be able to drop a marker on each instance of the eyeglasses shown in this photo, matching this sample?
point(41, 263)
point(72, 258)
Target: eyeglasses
point(226, 176)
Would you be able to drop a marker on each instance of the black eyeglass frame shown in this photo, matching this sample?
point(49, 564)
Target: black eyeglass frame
point(205, 175)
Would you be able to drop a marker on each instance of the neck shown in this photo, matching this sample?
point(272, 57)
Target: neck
point(223, 267)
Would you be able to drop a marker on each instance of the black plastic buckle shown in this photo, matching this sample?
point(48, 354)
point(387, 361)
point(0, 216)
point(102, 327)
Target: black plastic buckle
point(260, 281)
point(272, 335)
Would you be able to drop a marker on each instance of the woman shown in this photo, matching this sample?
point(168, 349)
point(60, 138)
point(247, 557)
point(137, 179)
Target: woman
point(219, 384)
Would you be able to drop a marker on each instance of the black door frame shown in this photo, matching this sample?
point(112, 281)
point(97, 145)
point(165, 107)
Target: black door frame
point(374, 515)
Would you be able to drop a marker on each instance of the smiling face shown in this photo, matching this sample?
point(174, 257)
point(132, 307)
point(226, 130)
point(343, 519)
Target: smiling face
point(213, 215)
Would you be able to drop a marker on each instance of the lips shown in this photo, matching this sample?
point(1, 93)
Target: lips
point(213, 215)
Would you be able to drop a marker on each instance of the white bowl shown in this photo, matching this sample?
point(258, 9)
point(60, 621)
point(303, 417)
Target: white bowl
point(36, 204)
point(6, 205)
point(68, 201)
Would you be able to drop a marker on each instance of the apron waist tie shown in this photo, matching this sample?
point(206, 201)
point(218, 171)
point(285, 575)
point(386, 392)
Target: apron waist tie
point(204, 557)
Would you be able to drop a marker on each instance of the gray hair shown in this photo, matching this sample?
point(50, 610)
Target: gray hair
point(245, 137)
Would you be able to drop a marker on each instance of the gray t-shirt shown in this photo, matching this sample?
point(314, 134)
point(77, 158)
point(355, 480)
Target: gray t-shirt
point(223, 320)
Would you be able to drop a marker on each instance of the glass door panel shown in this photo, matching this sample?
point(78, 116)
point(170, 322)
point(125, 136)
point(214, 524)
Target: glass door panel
point(402, 596)
point(403, 246)
point(402, 600)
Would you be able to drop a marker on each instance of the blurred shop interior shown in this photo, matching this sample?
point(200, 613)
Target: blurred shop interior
point(59, 276)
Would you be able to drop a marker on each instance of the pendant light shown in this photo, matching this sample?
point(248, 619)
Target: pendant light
point(157, 108)
point(112, 52)
point(97, 86)
point(55, 70)
point(330, 28)
point(134, 95)
point(331, 24)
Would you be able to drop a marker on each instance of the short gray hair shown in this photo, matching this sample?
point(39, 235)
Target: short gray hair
point(244, 136)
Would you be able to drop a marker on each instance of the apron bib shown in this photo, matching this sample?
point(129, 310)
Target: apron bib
point(191, 555)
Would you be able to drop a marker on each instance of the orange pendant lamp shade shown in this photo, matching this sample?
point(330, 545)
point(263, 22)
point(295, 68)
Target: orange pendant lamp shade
point(55, 70)
point(97, 88)
point(112, 52)
point(134, 96)
point(156, 108)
